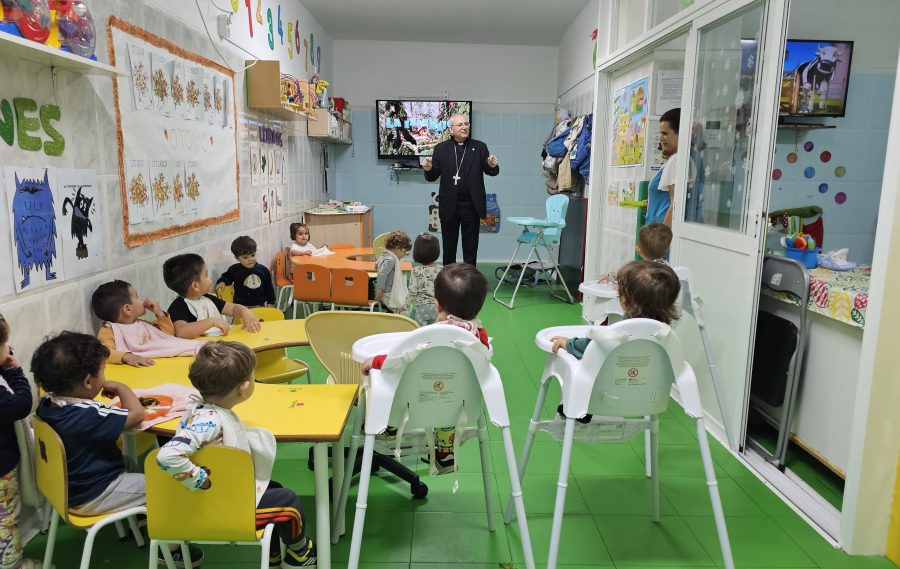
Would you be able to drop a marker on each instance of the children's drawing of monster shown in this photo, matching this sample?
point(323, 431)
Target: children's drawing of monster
point(81, 220)
point(34, 227)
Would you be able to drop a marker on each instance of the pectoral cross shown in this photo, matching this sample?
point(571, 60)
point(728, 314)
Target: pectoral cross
point(455, 179)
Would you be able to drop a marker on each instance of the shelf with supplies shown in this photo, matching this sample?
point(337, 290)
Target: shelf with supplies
point(27, 50)
point(264, 93)
point(330, 127)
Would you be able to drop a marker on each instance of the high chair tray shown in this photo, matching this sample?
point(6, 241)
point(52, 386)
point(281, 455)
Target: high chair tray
point(533, 221)
point(600, 290)
point(544, 338)
point(371, 346)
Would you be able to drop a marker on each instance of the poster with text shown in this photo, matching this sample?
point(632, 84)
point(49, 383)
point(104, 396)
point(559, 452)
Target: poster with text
point(140, 76)
point(179, 91)
point(80, 221)
point(179, 163)
point(161, 84)
point(137, 191)
point(33, 226)
point(629, 123)
point(255, 165)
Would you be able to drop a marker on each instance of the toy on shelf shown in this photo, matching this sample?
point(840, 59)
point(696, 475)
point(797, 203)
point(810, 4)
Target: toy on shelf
point(29, 19)
point(291, 93)
point(75, 27)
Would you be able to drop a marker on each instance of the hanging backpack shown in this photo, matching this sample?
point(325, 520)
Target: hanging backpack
point(582, 149)
point(557, 145)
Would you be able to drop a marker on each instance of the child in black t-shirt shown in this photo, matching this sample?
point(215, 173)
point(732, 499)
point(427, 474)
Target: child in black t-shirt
point(252, 281)
point(195, 312)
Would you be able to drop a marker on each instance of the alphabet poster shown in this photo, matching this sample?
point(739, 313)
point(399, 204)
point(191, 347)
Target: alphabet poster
point(55, 228)
point(629, 123)
point(177, 137)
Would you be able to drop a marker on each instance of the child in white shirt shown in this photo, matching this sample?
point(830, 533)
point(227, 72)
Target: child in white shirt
point(301, 244)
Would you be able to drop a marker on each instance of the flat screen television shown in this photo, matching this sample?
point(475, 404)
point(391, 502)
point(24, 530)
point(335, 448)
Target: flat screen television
point(410, 129)
point(815, 79)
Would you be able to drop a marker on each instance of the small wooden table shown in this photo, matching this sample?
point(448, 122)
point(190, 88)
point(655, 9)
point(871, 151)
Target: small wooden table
point(273, 334)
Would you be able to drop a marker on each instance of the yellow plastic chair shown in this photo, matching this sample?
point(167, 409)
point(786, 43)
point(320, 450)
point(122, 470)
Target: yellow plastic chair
point(227, 293)
point(274, 366)
point(226, 513)
point(378, 245)
point(332, 334)
point(53, 482)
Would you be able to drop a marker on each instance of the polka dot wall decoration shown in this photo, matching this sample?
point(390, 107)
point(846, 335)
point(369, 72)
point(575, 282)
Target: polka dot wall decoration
point(840, 198)
point(808, 146)
point(809, 172)
point(792, 157)
point(825, 157)
point(840, 171)
point(776, 174)
point(823, 188)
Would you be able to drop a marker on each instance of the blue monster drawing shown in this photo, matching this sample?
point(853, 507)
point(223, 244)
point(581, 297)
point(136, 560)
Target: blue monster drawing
point(34, 227)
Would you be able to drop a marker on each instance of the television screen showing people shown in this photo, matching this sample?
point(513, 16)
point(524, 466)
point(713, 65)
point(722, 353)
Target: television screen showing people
point(816, 76)
point(413, 128)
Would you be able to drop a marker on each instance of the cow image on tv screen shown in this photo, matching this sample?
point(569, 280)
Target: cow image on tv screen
point(816, 75)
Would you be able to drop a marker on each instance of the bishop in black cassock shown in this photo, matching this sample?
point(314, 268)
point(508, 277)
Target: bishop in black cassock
point(461, 163)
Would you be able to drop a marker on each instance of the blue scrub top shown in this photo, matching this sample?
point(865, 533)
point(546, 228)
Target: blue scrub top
point(657, 202)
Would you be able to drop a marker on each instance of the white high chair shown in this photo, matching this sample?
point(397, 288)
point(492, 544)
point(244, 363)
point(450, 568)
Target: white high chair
point(623, 380)
point(433, 377)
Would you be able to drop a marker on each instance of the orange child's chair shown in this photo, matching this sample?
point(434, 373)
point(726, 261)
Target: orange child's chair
point(283, 280)
point(312, 283)
point(350, 289)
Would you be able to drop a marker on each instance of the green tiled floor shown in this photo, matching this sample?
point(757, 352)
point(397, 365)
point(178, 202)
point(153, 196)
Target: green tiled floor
point(607, 520)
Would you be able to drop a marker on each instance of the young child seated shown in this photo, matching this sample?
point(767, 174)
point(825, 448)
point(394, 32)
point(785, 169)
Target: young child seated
point(300, 238)
point(195, 312)
point(390, 286)
point(252, 281)
point(647, 289)
point(459, 293)
point(653, 244)
point(15, 405)
point(70, 368)
point(420, 303)
point(223, 373)
point(129, 339)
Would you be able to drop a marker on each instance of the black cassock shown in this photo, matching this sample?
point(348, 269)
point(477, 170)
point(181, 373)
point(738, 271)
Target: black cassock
point(462, 203)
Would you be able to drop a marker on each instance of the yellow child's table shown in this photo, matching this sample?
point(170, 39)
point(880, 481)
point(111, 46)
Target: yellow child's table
point(293, 413)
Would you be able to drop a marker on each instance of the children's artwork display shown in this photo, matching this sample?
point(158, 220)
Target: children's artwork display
point(629, 123)
point(491, 221)
point(55, 226)
point(177, 137)
point(255, 165)
point(80, 221)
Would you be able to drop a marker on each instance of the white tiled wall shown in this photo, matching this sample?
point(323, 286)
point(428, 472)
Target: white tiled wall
point(88, 125)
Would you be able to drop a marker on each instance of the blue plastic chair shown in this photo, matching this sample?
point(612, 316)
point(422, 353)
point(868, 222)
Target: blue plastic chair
point(545, 232)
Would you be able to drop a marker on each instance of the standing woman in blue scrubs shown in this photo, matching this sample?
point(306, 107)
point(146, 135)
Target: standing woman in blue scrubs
point(662, 186)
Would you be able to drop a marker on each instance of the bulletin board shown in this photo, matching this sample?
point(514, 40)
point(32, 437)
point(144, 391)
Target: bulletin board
point(177, 141)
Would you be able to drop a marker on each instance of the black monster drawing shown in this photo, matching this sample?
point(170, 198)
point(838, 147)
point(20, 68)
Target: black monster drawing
point(81, 222)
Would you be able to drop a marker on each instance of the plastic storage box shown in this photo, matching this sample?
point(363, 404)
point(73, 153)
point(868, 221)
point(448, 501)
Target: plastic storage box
point(808, 257)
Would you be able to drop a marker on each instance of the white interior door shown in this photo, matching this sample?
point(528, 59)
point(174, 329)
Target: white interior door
point(728, 121)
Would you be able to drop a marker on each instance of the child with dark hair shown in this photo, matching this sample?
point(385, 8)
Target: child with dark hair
point(653, 243)
point(301, 244)
point(223, 373)
point(15, 405)
point(647, 289)
point(195, 312)
point(252, 281)
point(70, 368)
point(390, 287)
point(129, 339)
point(420, 303)
point(459, 293)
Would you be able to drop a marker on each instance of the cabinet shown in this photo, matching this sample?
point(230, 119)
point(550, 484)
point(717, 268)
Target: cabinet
point(571, 245)
point(331, 127)
point(331, 228)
